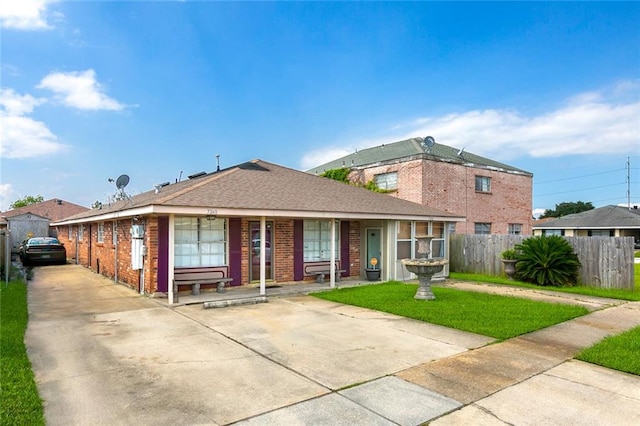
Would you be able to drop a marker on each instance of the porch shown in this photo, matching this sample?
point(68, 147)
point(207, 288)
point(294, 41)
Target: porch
point(242, 295)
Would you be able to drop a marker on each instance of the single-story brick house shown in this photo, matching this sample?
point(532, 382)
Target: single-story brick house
point(607, 221)
point(224, 221)
point(495, 198)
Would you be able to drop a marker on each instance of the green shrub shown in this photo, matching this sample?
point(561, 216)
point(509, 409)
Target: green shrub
point(547, 261)
point(510, 254)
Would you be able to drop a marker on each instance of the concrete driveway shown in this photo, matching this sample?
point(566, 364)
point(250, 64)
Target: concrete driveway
point(103, 354)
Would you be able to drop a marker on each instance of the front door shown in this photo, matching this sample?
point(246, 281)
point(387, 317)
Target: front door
point(374, 248)
point(255, 254)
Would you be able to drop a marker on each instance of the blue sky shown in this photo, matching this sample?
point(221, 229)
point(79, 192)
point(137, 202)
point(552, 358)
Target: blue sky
point(95, 89)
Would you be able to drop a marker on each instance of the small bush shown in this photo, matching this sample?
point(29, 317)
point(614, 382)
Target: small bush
point(547, 261)
point(510, 254)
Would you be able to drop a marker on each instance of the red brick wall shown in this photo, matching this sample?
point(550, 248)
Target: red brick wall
point(451, 187)
point(103, 254)
point(283, 250)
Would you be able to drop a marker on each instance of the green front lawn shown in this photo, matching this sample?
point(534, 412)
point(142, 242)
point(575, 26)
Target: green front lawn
point(487, 314)
point(21, 403)
point(620, 352)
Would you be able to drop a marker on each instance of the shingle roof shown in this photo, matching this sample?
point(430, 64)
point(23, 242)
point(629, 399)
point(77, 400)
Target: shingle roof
point(602, 217)
point(411, 148)
point(54, 210)
point(262, 186)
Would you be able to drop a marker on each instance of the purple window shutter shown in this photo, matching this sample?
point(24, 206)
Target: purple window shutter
point(298, 250)
point(235, 251)
point(163, 254)
point(344, 248)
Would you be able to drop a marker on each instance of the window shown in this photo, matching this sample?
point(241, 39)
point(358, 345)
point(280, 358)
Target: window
point(515, 228)
point(482, 228)
point(317, 240)
point(553, 232)
point(70, 236)
point(407, 246)
point(483, 184)
point(114, 233)
point(600, 233)
point(101, 232)
point(80, 232)
point(386, 180)
point(200, 242)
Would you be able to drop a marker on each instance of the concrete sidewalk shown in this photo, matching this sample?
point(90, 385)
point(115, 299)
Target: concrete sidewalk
point(103, 354)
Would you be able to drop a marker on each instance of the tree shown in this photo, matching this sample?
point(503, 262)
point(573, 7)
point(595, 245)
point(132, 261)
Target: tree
point(26, 201)
point(566, 208)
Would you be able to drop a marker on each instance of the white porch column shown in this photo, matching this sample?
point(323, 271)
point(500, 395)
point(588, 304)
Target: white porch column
point(332, 257)
point(263, 256)
point(170, 263)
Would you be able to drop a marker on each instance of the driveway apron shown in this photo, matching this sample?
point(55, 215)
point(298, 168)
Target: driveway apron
point(102, 354)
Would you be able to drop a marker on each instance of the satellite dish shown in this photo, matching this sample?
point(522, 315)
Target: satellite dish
point(429, 141)
point(122, 181)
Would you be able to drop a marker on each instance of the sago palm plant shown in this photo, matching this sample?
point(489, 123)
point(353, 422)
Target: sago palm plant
point(547, 261)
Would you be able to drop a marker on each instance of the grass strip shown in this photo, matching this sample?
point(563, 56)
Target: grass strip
point(21, 403)
point(496, 316)
point(633, 295)
point(619, 352)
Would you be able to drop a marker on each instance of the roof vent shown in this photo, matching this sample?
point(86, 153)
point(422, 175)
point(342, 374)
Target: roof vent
point(197, 175)
point(58, 201)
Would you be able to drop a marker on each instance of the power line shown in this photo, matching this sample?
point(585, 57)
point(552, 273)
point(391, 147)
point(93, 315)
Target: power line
point(582, 189)
point(579, 177)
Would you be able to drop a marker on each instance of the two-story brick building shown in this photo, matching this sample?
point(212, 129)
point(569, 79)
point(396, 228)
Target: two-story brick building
point(495, 198)
point(253, 223)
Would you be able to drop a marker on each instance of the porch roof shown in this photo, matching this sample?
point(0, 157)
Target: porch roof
point(260, 188)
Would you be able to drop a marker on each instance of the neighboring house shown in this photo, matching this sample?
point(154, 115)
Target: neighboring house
point(608, 221)
point(225, 221)
point(34, 220)
point(495, 198)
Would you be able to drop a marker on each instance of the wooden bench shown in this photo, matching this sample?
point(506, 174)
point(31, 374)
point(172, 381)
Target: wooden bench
point(319, 270)
point(195, 277)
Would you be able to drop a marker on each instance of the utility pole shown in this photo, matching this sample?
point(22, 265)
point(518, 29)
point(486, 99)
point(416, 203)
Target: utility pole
point(629, 183)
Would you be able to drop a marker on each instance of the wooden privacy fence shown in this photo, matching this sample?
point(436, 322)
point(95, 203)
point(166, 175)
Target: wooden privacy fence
point(607, 262)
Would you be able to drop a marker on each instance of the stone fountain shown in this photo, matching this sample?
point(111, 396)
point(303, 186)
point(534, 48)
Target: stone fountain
point(425, 267)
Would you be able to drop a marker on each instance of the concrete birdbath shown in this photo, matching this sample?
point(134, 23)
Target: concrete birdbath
point(425, 267)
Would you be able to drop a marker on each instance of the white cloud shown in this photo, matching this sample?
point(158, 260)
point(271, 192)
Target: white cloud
point(25, 14)
point(79, 90)
point(22, 136)
point(538, 212)
point(15, 104)
point(595, 122)
point(6, 192)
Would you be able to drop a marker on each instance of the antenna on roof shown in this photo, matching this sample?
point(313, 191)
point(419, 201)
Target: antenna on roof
point(427, 143)
point(121, 183)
